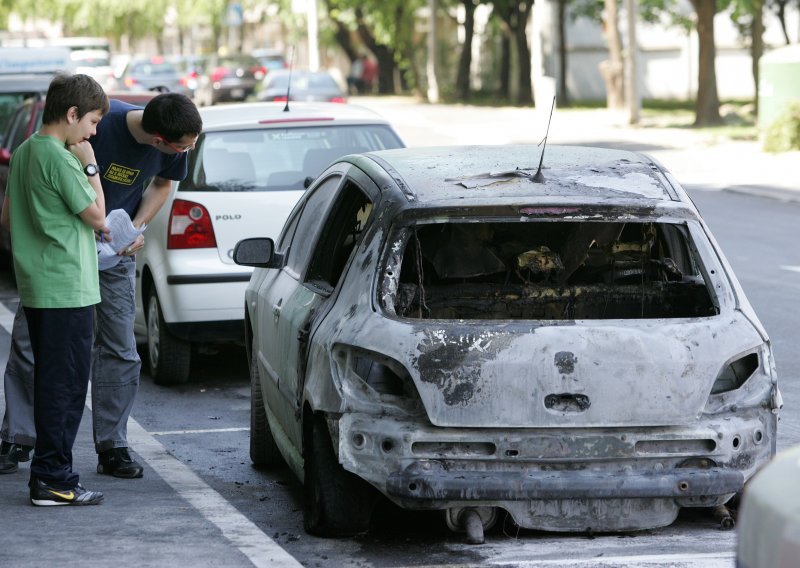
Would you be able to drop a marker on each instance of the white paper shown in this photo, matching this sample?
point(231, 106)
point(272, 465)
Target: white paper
point(122, 233)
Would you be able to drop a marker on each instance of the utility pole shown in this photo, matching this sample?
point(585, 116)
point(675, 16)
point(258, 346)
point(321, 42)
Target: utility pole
point(633, 99)
point(433, 85)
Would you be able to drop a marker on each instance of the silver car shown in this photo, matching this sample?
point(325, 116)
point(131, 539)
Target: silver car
point(453, 330)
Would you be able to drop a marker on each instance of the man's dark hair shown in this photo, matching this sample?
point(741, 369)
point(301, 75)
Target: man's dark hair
point(172, 116)
point(67, 91)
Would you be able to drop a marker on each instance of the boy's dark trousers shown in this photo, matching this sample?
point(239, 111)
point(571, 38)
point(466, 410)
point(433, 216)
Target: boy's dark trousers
point(61, 339)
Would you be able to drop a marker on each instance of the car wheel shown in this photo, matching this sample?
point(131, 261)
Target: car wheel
point(263, 450)
point(169, 356)
point(337, 503)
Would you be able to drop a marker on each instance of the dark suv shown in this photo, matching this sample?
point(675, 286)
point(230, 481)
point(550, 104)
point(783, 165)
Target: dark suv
point(229, 78)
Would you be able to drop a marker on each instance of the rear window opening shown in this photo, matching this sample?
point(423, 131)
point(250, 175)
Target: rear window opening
point(546, 271)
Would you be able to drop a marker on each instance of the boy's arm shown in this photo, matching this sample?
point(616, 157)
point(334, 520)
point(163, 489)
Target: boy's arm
point(95, 214)
point(152, 201)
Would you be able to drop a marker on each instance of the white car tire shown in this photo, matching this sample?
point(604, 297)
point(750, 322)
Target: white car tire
point(169, 356)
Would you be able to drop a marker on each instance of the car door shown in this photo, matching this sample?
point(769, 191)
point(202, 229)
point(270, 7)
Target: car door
point(283, 303)
point(337, 238)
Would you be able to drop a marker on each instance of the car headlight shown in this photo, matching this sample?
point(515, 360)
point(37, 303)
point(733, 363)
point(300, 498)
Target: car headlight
point(736, 373)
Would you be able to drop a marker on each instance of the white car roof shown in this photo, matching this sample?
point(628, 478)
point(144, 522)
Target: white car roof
point(255, 115)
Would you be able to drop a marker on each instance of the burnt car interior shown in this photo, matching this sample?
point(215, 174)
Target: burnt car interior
point(550, 270)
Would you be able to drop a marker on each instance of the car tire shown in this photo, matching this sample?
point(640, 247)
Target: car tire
point(264, 452)
point(169, 356)
point(337, 503)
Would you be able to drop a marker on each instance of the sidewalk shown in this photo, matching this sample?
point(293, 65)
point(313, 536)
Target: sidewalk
point(692, 155)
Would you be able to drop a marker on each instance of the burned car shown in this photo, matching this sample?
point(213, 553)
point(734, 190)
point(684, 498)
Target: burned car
point(454, 330)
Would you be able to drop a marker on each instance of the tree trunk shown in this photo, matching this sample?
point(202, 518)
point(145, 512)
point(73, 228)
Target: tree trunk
point(613, 70)
point(525, 95)
point(757, 43)
point(780, 11)
point(505, 67)
point(384, 55)
point(342, 34)
point(563, 93)
point(707, 103)
point(465, 60)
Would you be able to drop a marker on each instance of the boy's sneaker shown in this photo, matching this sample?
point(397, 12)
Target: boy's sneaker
point(42, 495)
point(11, 455)
point(118, 462)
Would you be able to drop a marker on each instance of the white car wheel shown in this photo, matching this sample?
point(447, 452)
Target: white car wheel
point(169, 356)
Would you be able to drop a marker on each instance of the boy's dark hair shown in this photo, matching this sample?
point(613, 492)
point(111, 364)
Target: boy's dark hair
point(172, 116)
point(67, 91)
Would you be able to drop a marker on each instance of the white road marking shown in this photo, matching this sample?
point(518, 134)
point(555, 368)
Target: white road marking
point(203, 431)
point(261, 550)
point(791, 268)
point(238, 529)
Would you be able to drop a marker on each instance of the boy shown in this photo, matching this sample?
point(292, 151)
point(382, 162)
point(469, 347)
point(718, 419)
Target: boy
point(54, 203)
point(132, 145)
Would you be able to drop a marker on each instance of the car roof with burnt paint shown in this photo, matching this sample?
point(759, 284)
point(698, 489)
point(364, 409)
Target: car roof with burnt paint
point(500, 172)
point(266, 114)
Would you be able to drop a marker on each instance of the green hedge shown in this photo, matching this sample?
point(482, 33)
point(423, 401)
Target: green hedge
point(784, 134)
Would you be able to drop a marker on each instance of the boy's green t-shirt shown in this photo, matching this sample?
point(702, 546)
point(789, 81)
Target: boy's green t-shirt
point(55, 256)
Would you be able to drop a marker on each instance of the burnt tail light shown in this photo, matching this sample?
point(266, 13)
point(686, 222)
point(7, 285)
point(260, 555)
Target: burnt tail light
point(735, 373)
point(190, 226)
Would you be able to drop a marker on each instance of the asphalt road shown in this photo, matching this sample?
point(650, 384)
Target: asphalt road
point(201, 503)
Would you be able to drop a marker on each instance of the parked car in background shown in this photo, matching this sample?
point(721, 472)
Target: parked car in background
point(149, 73)
point(306, 86)
point(453, 330)
point(270, 59)
point(248, 169)
point(26, 119)
point(96, 63)
point(229, 78)
point(191, 69)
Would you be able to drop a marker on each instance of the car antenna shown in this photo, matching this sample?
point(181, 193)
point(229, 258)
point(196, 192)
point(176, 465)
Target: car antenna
point(538, 177)
point(289, 86)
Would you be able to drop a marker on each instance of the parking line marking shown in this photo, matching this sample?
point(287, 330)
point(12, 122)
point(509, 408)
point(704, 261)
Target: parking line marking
point(202, 431)
point(251, 541)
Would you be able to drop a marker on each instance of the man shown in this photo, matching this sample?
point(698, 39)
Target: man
point(132, 146)
point(53, 203)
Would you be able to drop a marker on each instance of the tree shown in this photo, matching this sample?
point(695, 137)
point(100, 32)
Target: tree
point(613, 70)
point(515, 15)
point(779, 7)
point(707, 102)
point(465, 59)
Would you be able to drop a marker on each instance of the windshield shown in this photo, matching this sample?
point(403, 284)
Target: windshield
point(277, 159)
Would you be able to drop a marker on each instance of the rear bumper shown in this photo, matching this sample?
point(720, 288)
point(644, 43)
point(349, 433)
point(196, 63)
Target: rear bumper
point(424, 481)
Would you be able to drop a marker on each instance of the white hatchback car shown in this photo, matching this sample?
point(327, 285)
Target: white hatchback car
point(249, 168)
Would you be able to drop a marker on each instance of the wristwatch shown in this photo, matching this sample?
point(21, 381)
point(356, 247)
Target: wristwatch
point(91, 170)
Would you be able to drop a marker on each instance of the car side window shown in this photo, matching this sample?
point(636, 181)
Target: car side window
point(340, 234)
point(308, 226)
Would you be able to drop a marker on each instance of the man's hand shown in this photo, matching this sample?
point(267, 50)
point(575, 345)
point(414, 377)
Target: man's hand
point(84, 152)
point(135, 247)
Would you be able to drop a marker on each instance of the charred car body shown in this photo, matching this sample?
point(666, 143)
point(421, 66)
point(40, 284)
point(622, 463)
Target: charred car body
point(444, 327)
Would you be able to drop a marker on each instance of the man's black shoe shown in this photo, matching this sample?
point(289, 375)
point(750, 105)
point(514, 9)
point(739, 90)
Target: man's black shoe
point(118, 462)
point(42, 495)
point(11, 455)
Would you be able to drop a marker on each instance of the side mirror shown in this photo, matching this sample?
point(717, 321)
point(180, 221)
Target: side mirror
point(5, 157)
point(308, 181)
point(259, 252)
